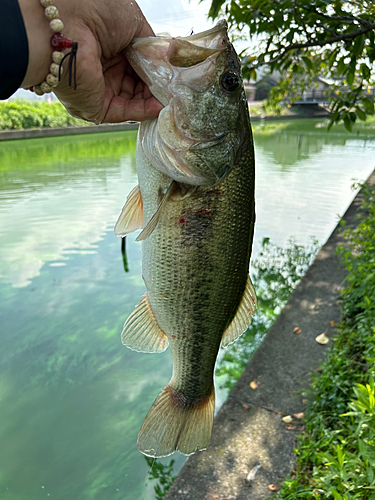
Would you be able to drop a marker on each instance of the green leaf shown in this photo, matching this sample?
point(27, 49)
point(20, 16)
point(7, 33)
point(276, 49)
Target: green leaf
point(341, 66)
point(336, 495)
point(358, 45)
point(361, 114)
point(289, 37)
point(370, 475)
point(308, 62)
point(366, 72)
point(215, 8)
point(348, 123)
point(350, 78)
point(236, 12)
point(369, 105)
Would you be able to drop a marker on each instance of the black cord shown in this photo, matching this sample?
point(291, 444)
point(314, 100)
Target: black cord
point(72, 67)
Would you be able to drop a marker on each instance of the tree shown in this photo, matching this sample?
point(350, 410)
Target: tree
point(305, 38)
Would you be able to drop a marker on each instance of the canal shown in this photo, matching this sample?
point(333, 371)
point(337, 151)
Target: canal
point(72, 398)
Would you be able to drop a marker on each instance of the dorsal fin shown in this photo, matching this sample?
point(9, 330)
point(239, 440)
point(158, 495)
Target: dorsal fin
point(141, 331)
point(131, 217)
point(242, 319)
point(151, 224)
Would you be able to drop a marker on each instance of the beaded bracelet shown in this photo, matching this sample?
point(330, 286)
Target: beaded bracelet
point(59, 42)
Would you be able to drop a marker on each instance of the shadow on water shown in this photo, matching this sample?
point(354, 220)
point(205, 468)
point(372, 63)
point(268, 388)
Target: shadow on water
point(123, 253)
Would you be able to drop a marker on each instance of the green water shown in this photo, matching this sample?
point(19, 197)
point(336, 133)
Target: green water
point(72, 398)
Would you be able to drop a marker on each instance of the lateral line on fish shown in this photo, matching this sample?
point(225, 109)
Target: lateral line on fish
point(256, 406)
point(152, 223)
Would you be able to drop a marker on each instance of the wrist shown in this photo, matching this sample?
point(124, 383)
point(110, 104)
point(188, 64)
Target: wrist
point(38, 35)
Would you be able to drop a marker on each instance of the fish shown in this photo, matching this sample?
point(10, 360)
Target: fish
point(195, 204)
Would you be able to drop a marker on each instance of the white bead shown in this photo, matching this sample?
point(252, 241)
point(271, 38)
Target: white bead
point(57, 56)
point(56, 25)
point(38, 90)
point(51, 12)
point(46, 89)
point(52, 80)
point(47, 3)
point(54, 69)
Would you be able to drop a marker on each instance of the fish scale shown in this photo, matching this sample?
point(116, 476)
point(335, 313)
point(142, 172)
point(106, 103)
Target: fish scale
point(193, 306)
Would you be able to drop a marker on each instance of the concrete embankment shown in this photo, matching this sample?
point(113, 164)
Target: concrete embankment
point(251, 447)
point(8, 135)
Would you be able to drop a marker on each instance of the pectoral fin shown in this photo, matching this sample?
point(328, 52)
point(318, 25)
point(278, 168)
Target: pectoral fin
point(151, 225)
point(141, 331)
point(131, 217)
point(242, 319)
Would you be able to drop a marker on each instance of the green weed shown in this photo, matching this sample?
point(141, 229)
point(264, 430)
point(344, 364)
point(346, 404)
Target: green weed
point(336, 453)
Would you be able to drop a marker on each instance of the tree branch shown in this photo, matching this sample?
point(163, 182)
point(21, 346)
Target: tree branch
point(336, 18)
point(346, 36)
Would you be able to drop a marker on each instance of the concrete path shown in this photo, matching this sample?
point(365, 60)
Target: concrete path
point(249, 436)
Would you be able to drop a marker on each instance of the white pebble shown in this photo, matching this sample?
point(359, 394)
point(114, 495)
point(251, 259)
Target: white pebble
point(52, 80)
point(38, 90)
point(54, 69)
point(45, 88)
point(56, 25)
point(57, 56)
point(51, 12)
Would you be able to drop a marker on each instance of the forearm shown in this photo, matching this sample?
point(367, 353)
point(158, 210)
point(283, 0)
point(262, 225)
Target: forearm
point(38, 35)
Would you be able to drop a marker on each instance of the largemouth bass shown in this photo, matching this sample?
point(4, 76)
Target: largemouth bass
point(195, 201)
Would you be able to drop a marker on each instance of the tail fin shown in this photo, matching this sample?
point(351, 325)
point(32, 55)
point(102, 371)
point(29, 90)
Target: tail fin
point(173, 424)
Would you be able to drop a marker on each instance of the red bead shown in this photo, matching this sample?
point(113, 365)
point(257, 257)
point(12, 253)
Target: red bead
point(59, 42)
point(31, 89)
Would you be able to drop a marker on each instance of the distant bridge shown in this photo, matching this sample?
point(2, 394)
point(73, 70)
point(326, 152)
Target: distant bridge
point(316, 96)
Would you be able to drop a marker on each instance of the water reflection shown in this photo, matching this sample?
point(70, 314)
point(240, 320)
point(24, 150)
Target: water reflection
point(289, 143)
point(123, 253)
point(162, 473)
point(72, 398)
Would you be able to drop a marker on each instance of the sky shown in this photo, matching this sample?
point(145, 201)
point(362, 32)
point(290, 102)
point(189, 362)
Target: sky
point(179, 17)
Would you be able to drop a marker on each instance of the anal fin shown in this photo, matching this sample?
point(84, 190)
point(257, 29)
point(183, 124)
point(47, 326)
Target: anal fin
point(131, 217)
point(141, 331)
point(242, 319)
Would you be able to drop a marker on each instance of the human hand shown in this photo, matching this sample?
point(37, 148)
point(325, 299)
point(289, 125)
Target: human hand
point(108, 90)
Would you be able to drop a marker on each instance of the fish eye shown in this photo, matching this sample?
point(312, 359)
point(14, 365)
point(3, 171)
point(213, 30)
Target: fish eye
point(230, 82)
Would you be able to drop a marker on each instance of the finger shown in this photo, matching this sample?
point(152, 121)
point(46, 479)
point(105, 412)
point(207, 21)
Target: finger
point(121, 110)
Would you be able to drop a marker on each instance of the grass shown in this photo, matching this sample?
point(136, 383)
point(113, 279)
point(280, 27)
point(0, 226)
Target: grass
point(336, 452)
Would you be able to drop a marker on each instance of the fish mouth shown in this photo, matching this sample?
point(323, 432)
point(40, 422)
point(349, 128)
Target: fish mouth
point(157, 60)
